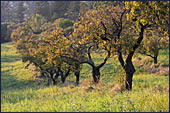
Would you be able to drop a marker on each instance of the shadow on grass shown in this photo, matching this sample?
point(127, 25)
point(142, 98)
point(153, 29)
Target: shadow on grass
point(10, 58)
point(14, 90)
point(10, 82)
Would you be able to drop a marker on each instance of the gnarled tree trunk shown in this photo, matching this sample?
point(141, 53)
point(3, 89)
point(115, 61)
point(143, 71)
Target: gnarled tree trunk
point(96, 74)
point(64, 76)
point(96, 69)
point(129, 70)
point(129, 67)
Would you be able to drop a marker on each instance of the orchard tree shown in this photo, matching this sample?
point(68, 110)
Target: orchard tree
point(122, 28)
point(145, 14)
point(153, 42)
point(61, 52)
point(96, 68)
point(22, 37)
point(45, 49)
point(30, 48)
point(54, 46)
point(130, 35)
point(97, 27)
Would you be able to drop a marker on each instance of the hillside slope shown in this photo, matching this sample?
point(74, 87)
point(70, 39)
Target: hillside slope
point(21, 93)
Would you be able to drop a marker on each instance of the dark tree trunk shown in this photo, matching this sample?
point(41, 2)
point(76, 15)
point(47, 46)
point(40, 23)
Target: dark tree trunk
point(128, 81)
point(63, 77)
point(77, 74)
point(155, 56)
point(96, 74)
point(155, 59)
point(130, 70)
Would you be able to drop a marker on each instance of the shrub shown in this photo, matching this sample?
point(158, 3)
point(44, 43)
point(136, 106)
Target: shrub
point(63, 23)
point(5, 37)
point(6, 30)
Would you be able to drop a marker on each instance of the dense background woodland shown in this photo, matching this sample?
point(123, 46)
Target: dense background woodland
point(85, 56)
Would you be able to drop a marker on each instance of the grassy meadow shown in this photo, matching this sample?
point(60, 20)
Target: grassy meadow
point(21, 93)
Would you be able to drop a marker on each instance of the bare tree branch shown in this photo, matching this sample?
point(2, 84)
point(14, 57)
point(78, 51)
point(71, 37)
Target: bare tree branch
point(90, 59)
point(106, 58)
point(146, 54)
point(121, 24)
point(105, 29)
point(120, 58)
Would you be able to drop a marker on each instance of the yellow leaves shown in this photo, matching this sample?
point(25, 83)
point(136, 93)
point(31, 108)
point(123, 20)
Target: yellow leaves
point(128, 4)
point(86, 28)
point(71, 36)
point(91, 23)
point(79, 42)
point(143, 21)
point(100, 45)
point(104, 42)
point(75, 30)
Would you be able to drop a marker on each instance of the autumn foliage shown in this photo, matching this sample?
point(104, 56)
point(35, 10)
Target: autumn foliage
point(118, 28)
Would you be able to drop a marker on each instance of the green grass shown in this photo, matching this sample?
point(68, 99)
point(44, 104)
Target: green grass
point(20, 93)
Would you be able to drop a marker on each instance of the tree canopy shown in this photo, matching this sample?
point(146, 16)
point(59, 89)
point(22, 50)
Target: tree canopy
point(59, 47)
